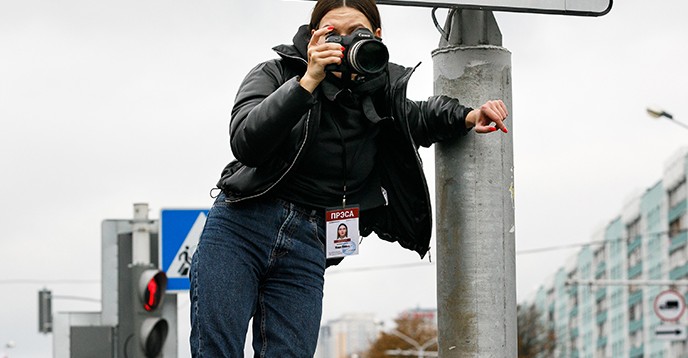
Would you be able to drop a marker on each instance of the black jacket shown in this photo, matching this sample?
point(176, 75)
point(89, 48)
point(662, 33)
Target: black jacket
point(274, 118)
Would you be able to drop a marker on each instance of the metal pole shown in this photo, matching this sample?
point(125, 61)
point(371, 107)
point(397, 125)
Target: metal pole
point(141, 245)
point(476, 288)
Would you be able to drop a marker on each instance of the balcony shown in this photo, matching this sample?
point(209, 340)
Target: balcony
point(678, 272)
point(601, 269)
point(574, 312)
point(635, 270)
point(637, 352)
point(635, 297)
point(601, 317)
point(633, 245)
point(574, 353)
point(601, 341)
point(678, 210)
point(635, 326)
point(600, 294)
point(678, 241)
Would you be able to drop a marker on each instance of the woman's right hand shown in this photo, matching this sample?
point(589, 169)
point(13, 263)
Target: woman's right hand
point(320, 54)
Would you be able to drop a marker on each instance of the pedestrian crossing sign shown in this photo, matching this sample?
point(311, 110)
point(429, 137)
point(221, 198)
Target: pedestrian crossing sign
point(180, 230)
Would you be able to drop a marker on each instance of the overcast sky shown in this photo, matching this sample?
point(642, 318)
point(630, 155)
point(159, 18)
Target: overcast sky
point(107, 103)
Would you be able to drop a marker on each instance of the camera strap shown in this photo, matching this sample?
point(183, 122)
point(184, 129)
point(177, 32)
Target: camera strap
point(369, 109)
point(365, 90)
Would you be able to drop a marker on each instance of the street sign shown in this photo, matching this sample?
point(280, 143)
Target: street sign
point(669, 305)
point(671, 332)
point(180, 230)
point(561, 7)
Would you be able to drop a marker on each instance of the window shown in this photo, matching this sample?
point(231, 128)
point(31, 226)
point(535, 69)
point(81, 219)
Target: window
point(635, 312)
point(633, 230)
point(677, 258)
point(599, 256)
point(675, 227)
point(636, 339)
point(601, 305)
point(634, 258)
point(602, 329)
point(677, 194)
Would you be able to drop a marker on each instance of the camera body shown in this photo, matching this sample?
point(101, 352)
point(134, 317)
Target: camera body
point(364, 53)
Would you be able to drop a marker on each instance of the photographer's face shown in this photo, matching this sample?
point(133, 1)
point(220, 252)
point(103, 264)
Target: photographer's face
point(345, 20)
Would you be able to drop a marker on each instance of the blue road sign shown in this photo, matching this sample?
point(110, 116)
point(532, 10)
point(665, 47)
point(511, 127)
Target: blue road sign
point(180, 230)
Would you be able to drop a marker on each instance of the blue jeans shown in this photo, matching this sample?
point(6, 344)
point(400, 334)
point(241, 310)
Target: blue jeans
point(262, 259)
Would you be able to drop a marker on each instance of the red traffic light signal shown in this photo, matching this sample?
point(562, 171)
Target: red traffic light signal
point(152, 287)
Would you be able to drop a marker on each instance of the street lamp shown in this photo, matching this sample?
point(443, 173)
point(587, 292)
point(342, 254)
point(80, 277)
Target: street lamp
point(9, 345)
point(658, 113)
point(420, 349)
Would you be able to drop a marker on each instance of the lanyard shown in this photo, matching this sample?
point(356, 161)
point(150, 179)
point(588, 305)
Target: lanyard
point(369, 133)
point(345, 171)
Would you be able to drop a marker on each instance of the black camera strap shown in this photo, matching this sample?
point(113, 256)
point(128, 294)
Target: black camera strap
point(365, 90)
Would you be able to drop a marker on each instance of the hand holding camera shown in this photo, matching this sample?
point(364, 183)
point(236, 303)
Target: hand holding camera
point(364, 53)
point(357, 53)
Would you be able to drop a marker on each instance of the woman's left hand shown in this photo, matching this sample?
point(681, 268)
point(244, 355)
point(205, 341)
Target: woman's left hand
point(482, 118)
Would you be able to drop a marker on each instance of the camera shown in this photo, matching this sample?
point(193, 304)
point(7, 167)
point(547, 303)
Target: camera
point(364, 53)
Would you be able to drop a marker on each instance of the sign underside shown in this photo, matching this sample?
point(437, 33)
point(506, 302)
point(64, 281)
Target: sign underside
point(562, 7)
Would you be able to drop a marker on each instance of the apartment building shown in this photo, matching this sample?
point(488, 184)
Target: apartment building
point(601, 303)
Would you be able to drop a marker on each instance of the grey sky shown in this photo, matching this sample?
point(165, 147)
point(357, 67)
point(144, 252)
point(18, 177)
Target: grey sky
point(104, 104)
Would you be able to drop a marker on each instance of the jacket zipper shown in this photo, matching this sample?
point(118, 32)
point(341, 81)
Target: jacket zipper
point(298, 154)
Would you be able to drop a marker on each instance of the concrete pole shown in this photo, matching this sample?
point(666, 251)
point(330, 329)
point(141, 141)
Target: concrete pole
point(140, 245)
point(476, 288)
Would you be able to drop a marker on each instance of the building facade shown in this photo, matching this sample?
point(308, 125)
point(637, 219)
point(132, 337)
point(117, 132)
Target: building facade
point(348, 336)
point(601, 302)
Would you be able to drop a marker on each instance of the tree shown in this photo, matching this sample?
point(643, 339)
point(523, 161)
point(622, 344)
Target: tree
point(417, 328)
point(534, 339)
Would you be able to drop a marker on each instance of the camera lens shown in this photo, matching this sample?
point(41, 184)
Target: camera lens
point(368, 56)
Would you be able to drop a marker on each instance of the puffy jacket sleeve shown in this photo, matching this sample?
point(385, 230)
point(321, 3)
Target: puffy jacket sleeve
point(437, 119)
point(266, 109)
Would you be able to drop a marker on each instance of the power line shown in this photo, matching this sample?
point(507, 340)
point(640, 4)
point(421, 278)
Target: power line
point(589, 243)
point(76, 298)
point(31, 281)
point(373, 268)
point(358, 269)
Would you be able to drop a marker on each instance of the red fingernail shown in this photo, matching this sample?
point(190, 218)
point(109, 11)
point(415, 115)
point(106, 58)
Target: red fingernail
point(330, 28)
point(505, 130)
point(492, 129)
point(343, 48)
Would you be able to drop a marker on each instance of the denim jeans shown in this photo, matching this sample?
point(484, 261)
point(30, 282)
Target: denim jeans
point(262, 259)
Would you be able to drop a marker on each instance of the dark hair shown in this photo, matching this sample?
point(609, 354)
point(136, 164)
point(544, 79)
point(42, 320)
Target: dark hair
point(367, 7)
point(339, 227)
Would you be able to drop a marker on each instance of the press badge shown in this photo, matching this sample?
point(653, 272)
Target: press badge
point(342, 232)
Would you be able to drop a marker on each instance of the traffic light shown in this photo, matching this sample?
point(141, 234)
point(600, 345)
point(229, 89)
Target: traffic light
point(45, 311)
point(150, 328)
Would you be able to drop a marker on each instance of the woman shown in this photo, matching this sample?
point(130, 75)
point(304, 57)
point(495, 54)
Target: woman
point(307, 139)
point(342, 232)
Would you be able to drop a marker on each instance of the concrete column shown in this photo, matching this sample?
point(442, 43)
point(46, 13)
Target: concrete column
point(475, 198)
